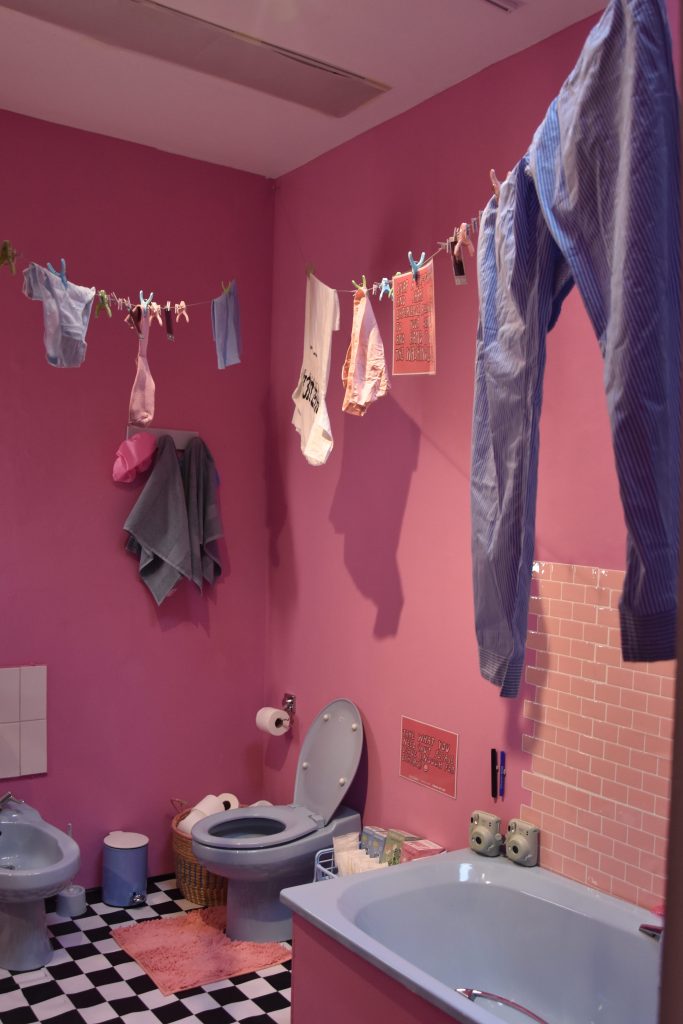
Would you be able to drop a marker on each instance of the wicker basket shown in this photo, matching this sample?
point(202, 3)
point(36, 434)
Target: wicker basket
point(194, 881)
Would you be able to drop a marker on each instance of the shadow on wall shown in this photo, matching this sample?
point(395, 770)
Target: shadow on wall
point(357, 792)
point(379, 457)
point(276, 504)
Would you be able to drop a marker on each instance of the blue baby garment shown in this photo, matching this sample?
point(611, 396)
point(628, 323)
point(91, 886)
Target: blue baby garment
point(225, 323)
point(66, 311)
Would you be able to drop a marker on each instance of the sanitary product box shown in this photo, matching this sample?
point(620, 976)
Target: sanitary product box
point(394, 845)
point(373, 839)
point(415, 849)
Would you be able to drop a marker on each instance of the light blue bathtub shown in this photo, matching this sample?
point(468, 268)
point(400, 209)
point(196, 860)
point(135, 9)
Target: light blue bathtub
point(565, 952)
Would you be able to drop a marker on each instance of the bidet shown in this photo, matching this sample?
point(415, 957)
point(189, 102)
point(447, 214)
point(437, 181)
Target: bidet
point(36, 861)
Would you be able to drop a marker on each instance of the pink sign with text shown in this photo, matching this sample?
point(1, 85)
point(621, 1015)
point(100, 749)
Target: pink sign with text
point(414, 324)
point(429, 755)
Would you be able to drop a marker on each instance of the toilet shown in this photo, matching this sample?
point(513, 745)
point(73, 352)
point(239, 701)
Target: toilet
point(262, 850)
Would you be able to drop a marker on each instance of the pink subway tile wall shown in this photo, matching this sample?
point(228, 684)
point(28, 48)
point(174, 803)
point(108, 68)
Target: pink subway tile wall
point(599, 732)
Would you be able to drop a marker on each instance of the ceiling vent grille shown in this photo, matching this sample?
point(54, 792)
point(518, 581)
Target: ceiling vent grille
point(151, 28)
point(508, 6)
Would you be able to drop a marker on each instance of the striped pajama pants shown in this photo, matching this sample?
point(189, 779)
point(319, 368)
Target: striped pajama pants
point(595, 202)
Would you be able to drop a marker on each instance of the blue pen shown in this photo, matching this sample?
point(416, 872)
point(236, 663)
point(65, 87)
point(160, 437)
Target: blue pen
point(501, 775)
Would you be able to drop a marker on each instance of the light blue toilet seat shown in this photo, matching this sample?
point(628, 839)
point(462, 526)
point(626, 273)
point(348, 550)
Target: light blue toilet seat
point(248, 828)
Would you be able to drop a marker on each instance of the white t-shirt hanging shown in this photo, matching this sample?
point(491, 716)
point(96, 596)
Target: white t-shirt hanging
point(310, 412)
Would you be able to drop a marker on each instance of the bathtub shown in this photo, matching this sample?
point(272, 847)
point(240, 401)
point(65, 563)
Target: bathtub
point(564, 952)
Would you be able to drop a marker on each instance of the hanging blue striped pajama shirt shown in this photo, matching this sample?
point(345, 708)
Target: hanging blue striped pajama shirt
point(594, 202)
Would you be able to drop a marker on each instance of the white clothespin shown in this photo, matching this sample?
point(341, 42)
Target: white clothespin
point(495, 183)
point(181, 310)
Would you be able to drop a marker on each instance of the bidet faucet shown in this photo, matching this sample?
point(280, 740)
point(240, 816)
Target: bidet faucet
point(6, 797)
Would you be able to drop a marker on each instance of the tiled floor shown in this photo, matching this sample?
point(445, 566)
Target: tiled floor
point(90, 979)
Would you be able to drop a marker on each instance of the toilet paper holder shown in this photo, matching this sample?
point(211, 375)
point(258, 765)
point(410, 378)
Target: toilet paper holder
point(289, 704)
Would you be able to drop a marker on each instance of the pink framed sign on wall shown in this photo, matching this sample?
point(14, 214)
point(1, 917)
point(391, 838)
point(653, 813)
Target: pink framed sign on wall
point(429, 755)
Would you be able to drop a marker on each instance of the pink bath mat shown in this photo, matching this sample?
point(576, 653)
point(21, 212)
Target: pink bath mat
point(192, 949)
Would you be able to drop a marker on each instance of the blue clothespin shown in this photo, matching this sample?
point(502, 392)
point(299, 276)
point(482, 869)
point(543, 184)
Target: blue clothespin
point(145, 302)
point(59, 273)
point(416, 266)
point(385, 288)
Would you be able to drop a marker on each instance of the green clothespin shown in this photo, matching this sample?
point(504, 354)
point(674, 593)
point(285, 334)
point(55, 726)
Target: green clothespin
point(8, 255)
point(227, 288)
point(102, 303)
point(360, 287)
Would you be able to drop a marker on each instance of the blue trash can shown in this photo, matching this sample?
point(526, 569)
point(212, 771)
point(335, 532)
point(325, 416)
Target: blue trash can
point(124, 877)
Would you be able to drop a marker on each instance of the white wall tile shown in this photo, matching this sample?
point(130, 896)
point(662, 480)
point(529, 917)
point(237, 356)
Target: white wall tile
point(10, 742)
point(33, 691)
point(33, 747)
point(9, 695)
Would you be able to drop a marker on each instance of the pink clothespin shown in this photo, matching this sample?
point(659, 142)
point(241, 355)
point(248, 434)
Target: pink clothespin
point(155, 311)
point(495, 183)
point(463, 238)
point(134, 318)
point(181, 310)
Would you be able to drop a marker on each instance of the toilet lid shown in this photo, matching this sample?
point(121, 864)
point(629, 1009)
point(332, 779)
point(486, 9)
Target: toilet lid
point(329, 758)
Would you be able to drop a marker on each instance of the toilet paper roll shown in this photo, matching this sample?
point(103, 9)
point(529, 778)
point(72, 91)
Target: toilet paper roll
point(209, 805)
point(186, 824)
point(272, 720)
point(71, 901)
point(228, 801)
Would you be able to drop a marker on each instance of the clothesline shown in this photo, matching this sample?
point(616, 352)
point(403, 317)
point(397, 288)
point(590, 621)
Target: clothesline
point(462, 236)
point(9, 256)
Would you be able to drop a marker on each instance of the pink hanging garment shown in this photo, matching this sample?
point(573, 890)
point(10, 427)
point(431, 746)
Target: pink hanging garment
point(364, 374)
point(141, 412)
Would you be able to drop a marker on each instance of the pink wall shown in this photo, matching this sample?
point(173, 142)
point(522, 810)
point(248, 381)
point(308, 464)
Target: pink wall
point(371, 593)
point(143, 704)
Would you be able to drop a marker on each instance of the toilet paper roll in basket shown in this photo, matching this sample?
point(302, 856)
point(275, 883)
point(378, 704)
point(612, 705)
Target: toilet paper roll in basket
point(185, 824)
point(229, 801)
point(211, 804)
point(272, 720)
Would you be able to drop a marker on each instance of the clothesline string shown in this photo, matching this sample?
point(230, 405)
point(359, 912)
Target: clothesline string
point(110, 292)
point(378, 284)
point(471, 228)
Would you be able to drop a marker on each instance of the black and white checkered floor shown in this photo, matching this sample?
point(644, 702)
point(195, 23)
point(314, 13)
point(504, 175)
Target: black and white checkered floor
point(90, 979)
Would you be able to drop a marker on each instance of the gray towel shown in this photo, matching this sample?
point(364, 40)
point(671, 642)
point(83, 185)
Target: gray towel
point(158, 525)
point(203, 518)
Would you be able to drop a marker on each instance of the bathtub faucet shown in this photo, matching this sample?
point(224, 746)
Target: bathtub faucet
point(7, 797)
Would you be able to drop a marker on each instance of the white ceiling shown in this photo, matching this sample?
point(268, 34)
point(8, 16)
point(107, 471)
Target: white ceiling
point(417, 47)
